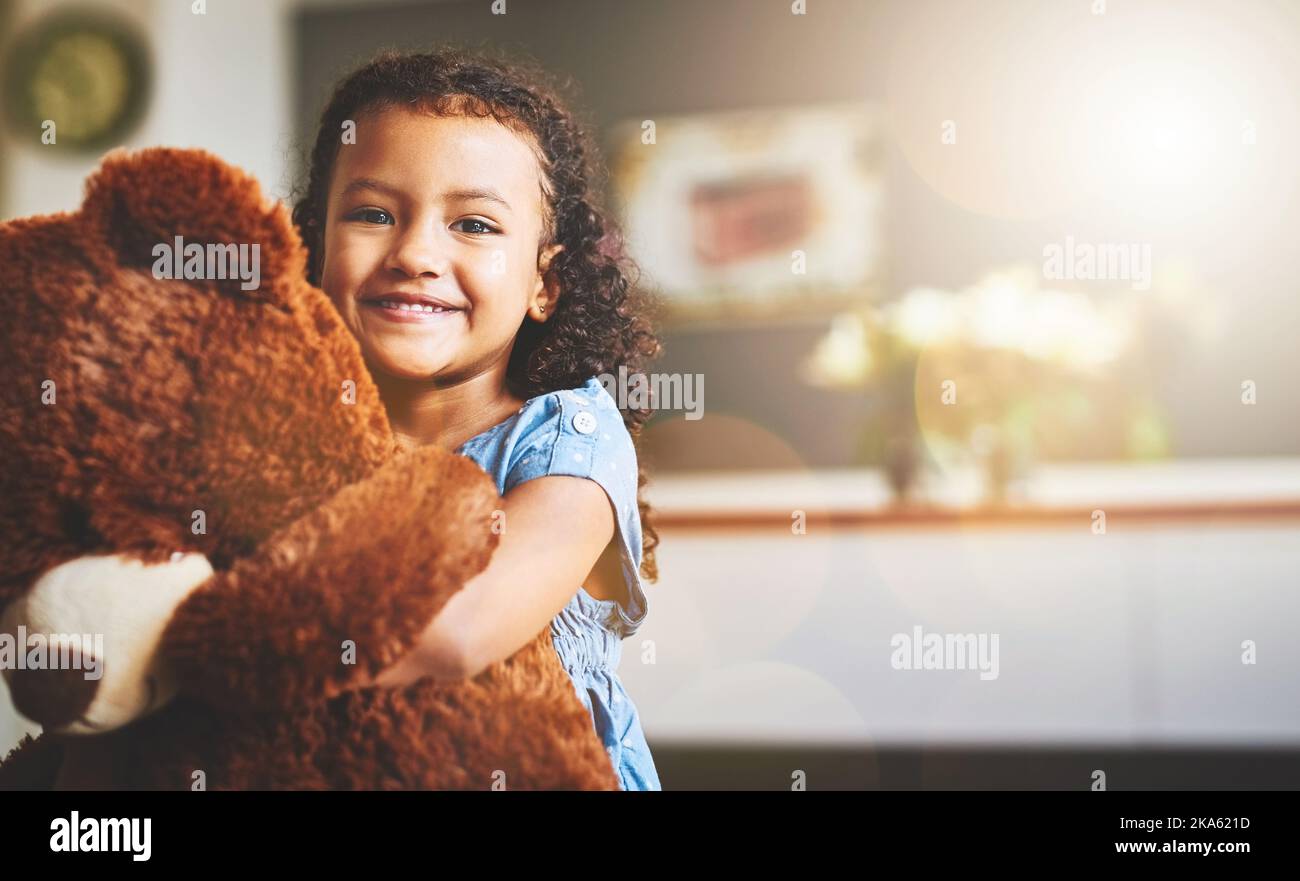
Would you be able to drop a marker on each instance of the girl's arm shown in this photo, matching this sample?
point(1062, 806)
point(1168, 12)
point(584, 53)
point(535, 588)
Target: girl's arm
point(554, 531)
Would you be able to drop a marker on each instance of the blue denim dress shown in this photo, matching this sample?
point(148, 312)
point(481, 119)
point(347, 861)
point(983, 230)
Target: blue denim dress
point(580, 433)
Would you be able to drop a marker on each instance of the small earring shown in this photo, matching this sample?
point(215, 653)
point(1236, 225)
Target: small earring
point(543, 308)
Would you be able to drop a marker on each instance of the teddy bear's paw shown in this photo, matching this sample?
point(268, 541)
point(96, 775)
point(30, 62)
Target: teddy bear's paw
point(88, 633)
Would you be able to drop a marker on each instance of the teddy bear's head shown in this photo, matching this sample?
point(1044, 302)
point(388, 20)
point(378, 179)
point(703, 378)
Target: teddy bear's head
point(170, 381)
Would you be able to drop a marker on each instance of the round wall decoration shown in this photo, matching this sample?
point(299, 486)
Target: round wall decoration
point(77, 79)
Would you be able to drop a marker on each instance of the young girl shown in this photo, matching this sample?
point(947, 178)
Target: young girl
point(448, 215)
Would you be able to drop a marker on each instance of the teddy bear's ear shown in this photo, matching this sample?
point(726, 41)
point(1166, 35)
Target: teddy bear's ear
point(179, 212)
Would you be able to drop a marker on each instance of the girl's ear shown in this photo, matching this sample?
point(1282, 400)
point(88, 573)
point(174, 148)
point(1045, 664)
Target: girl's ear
point(547, 292)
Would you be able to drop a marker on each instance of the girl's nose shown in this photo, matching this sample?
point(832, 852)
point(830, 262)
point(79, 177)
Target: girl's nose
point(418, 252)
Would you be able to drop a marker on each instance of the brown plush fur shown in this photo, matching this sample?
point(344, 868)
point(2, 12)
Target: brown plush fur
point(176, 396)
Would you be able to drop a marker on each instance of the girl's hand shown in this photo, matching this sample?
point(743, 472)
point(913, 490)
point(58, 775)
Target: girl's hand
point(490, 618)
point(419, 663)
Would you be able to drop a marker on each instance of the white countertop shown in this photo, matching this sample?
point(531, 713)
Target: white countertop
point(1176, 482)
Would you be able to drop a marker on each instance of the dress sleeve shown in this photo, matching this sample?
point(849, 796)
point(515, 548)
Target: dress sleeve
point(580, 433)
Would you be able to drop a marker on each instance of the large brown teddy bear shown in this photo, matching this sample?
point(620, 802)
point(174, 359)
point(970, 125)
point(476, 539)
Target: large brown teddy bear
point(201, 472)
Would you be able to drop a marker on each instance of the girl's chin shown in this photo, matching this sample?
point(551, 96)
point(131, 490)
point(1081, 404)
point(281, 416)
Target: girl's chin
point(399, 366)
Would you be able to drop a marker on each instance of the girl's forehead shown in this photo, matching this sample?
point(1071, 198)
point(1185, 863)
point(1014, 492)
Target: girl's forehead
point(421, 150)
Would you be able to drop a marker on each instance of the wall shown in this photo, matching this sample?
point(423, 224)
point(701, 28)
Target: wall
point(220, 82)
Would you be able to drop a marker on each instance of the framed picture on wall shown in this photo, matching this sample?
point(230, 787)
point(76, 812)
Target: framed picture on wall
point(754, 213)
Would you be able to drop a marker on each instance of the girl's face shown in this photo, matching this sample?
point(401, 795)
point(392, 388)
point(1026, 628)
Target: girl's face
point(443, 215)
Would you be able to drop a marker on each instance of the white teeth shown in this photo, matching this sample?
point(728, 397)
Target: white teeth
point(412, 307)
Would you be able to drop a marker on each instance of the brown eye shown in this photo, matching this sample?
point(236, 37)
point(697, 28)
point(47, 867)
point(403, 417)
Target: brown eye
point(371, 215)
point(484, 228)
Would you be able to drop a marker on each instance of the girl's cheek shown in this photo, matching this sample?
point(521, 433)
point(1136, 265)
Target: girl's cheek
point(329, 275)
point(345, 266)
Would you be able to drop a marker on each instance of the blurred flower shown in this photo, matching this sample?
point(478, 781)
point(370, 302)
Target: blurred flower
point(1006, 311)
point(841, 358)
point(923, 317)
point(995, 311)
point(1070, 330)
point(1045, 372)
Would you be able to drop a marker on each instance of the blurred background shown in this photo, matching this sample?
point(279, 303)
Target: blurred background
point(989, 316)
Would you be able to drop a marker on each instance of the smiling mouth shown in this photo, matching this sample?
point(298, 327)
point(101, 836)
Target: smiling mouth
point(395, 310)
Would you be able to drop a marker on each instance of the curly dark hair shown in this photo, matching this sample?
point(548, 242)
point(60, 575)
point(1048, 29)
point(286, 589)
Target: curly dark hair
point(600, 321)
